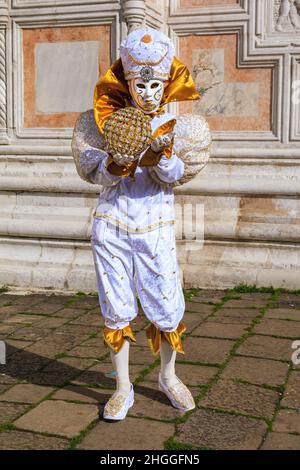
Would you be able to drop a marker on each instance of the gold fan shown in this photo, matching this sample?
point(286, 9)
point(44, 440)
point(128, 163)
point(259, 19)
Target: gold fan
point(127, 131)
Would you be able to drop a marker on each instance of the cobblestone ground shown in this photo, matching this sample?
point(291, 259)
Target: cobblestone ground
point(237, 365)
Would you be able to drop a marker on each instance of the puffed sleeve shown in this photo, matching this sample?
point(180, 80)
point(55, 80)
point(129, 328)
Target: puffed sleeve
point(190, 152)
point(90, 158)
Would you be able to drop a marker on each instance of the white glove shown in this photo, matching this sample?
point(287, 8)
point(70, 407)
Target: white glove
point(123, 159)
point(161, 142)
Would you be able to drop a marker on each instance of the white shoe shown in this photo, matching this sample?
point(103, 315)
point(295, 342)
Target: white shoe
point(178, 394)
point(118, 405)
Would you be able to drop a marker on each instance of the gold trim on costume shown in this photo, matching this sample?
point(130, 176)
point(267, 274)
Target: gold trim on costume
point(114, 339)
point(98, 215)
point(147, 62)
point(155, 336)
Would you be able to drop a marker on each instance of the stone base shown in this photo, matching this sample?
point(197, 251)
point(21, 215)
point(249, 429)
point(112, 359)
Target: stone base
point(60, 265)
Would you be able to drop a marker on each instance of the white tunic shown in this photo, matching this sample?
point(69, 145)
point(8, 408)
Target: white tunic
point(139, 204)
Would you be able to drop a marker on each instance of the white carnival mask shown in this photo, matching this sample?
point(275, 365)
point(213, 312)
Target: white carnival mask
point(146, 94)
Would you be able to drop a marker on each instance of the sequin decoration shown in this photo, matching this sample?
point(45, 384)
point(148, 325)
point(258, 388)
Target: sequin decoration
point(127, 131)
point(114, 404)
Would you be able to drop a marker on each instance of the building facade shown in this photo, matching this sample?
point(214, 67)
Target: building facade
point(245, 59)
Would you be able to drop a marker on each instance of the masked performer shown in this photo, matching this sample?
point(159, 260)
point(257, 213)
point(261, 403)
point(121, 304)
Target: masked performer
point(126, 144)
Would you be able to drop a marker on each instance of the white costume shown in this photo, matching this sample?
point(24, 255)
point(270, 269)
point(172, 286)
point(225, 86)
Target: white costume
point(133, 236)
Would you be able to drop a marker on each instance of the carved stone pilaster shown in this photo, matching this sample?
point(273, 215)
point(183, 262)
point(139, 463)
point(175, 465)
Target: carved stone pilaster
point(2, 78)
point(3, 71)
point(134, 12)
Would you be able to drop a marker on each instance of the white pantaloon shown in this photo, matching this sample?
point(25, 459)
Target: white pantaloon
point(143, 263)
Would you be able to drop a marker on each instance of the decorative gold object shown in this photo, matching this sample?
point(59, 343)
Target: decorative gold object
point(127, 131)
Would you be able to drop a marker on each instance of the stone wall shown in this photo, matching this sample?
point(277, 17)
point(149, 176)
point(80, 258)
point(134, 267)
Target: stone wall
point(245, 59)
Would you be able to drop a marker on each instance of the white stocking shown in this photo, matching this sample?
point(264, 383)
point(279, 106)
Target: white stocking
point(167, 361)
point(120, 362)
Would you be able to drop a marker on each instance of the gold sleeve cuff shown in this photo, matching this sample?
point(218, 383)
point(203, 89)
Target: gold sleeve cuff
point(115, 338)
point(155, 336)
point(121, 170)
point(150, 158)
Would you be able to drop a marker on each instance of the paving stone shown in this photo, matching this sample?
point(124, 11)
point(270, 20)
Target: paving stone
point(79, 330)
point(220, 330)
point(25, 393)
point(52, 322)
point(7, 379)
point(192, 320)
point(221, 431)
point(49, 378)
point(291, 396)
point(15, 345)
point(27, 300)
point(152, 403)
point(141, 355)
point(9, 310)
point(97, 351)
point(44, 308)
point(31, 333)
point(65, 340)
point(202, 309)
point(2, 388)
point(76, 363)
point(57, 298)
point(140, 321)
point(10, 411)
point(131, 434)
point(45, 349)
point(21, 319)
point(141, 339)
point(58, 417)
point(21, 364)
point(241, 398)
point(283, 314)
point(192, 375)
point(245, 303)
point(86, 302)
point(84, 394)
point(94, 319)
point(256, 371)
point(253, 296)
point(281, 441)
point(20, 440)
point(291, 300)
point(288, 329)
point(5, 299)
point(96, 376)
point(206, 350)
point(209, 295)
point(272, 348)
point(234, 316)
point(287, 421)
point(5, 330)
point(69, 312)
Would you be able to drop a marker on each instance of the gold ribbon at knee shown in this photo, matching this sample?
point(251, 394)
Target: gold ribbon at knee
point(155, 336)
point(115, 338)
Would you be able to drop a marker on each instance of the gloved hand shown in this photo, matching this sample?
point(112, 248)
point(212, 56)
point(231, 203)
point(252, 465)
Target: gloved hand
point(162, 142)
point(123, 159)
